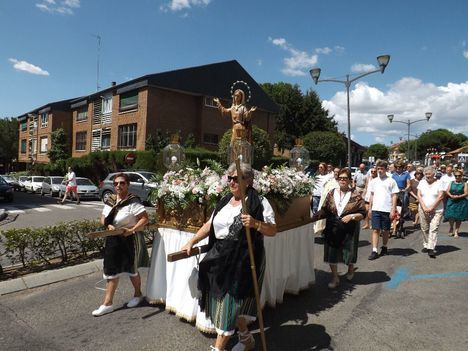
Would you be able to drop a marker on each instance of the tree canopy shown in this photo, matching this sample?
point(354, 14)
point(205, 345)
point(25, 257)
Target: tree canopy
point(325, 146)
point(299, 113)
point(379, 151)
point(8, 141)
point(59, 147)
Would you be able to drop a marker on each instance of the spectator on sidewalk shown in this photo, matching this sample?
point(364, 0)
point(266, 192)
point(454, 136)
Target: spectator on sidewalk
point(411, 170)
point(359, 179)
point(430, 196)
point(402, 178)
point(456, 210)
point(331, 184)
point(71, 187)
point(382, 202)
point(321, 178)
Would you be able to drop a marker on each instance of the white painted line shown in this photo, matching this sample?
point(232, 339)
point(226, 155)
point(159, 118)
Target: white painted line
point(64, 207)
point(16, 211)
point(42, 209)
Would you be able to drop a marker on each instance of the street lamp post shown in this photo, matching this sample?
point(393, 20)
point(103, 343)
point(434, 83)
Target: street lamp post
point(409, 123)
point(315, 74)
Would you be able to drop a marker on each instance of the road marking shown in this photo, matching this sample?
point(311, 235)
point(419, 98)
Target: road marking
point(16, 211)
point(42, 209)
point(65, 207)
point(402, 274)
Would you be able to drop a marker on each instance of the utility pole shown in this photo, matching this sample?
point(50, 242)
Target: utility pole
point(98, 57)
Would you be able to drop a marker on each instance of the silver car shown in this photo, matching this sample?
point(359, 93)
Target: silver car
point(86, 188)
point(33, 184)
point(140, 184)
point(51, 185)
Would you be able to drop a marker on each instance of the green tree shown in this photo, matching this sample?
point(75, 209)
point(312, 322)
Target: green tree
point(325, 146)
point(441, 139)
point(379, 151)
point(262, 150)
point(157, 141)
point(8, 141)
point(59, 146)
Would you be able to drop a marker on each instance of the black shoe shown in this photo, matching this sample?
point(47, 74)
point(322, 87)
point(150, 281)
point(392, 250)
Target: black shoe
point(431, 253)
point(383, 251)
point(373, 256)
point(424, 250)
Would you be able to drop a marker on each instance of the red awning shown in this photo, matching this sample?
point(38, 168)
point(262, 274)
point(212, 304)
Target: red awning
point(435, 156)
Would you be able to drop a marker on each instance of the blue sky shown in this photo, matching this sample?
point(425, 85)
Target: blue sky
point(48, 52)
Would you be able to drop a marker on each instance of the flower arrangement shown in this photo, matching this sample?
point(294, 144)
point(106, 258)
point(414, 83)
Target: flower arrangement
point(181, 189)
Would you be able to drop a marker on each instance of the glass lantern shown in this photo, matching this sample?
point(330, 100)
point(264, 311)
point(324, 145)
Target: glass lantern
point(173, 154)
point(299, 156)
point(240, 148)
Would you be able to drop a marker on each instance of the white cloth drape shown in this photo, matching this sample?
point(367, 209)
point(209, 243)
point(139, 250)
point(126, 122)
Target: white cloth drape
point(289, 268)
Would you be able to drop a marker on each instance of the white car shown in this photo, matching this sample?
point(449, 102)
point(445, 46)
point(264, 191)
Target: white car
point(86, 188)
point(51, 185)
point(33, 184)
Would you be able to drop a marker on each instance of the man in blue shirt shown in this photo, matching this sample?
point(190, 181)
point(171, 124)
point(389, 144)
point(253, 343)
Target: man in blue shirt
point(403, 180)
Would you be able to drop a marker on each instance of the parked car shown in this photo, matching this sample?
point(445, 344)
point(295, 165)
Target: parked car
point(140, 184)
point(86, 188)
point(33, 184)
point(51, 185)
point(6, 190)
point(21, 181)
point(12, 181)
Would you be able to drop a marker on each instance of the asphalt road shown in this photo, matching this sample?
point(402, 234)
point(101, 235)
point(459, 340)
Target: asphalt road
point(403, 301)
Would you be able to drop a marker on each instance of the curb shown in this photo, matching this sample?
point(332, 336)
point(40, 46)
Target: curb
point(35, 280)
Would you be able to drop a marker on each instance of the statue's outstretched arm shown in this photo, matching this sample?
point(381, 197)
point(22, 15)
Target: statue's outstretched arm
point(224, 111)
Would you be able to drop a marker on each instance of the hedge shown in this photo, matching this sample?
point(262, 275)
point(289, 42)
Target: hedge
point(38, 246)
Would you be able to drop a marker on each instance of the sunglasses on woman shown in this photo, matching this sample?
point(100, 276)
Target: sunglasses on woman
point(234, 178)
point(120, 183)
point(343, 178)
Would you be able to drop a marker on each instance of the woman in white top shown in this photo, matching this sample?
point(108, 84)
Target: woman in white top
point(225, 278)
point(123, 254)
point(431, 208)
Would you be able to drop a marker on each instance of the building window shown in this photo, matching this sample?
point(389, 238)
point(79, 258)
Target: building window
point(106, 104)
point(23, 146)
point(127, 136)
point(128, 101)
point(80, 141)
point(44, 119)
point(210, 138)
point(209, 102)
point(24, 125)
point(33, 146)
point(82, 114)
point(43, 145)
point(105, 138)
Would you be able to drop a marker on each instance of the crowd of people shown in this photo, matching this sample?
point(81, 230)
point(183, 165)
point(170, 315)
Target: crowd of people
point(384, 196)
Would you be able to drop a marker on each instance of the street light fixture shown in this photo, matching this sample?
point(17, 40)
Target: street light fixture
point(409, 123)
point(315, 74)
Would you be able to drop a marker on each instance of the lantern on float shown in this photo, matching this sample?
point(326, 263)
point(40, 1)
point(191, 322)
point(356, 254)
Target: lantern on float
point(240, 148)
point(173, 154)
point(299, 156)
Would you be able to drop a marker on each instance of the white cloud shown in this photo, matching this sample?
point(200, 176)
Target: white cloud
point(379, 139)
point(299, 62)
point(339, 49)
point(325, 50)
point(178, 5)
point(465, 53)
point(407, 99)
point(28, 67)
point(362, 67)
point(63, 7)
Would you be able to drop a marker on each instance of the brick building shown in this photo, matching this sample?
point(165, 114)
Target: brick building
point(123, 116)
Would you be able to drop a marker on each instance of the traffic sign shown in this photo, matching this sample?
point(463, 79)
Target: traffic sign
point(462, 158)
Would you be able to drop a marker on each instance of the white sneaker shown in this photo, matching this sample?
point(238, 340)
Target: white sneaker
point(134, 302)
point(103, 309)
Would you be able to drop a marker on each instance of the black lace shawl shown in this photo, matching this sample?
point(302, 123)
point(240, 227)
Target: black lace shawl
point(226, 266)
point(112, 202)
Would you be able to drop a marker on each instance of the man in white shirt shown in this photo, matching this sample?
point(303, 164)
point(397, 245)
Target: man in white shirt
point(382, 203)
point(71, 187)
point(447, 177)
point(321, 178)
point(359, 179)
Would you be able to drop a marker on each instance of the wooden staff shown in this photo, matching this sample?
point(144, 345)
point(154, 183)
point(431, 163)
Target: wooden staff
point(245, 210)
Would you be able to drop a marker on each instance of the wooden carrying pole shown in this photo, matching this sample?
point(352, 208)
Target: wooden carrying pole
point(245, 210)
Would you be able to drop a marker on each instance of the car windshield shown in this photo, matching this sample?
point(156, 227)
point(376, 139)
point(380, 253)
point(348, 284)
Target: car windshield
point(8, 178)
point(38, 179)
point(56, 180)
point(2, 181)
point(147, 175)
point(84, 181)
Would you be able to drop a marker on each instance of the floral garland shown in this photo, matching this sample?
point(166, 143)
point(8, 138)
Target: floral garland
point(180, 189)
